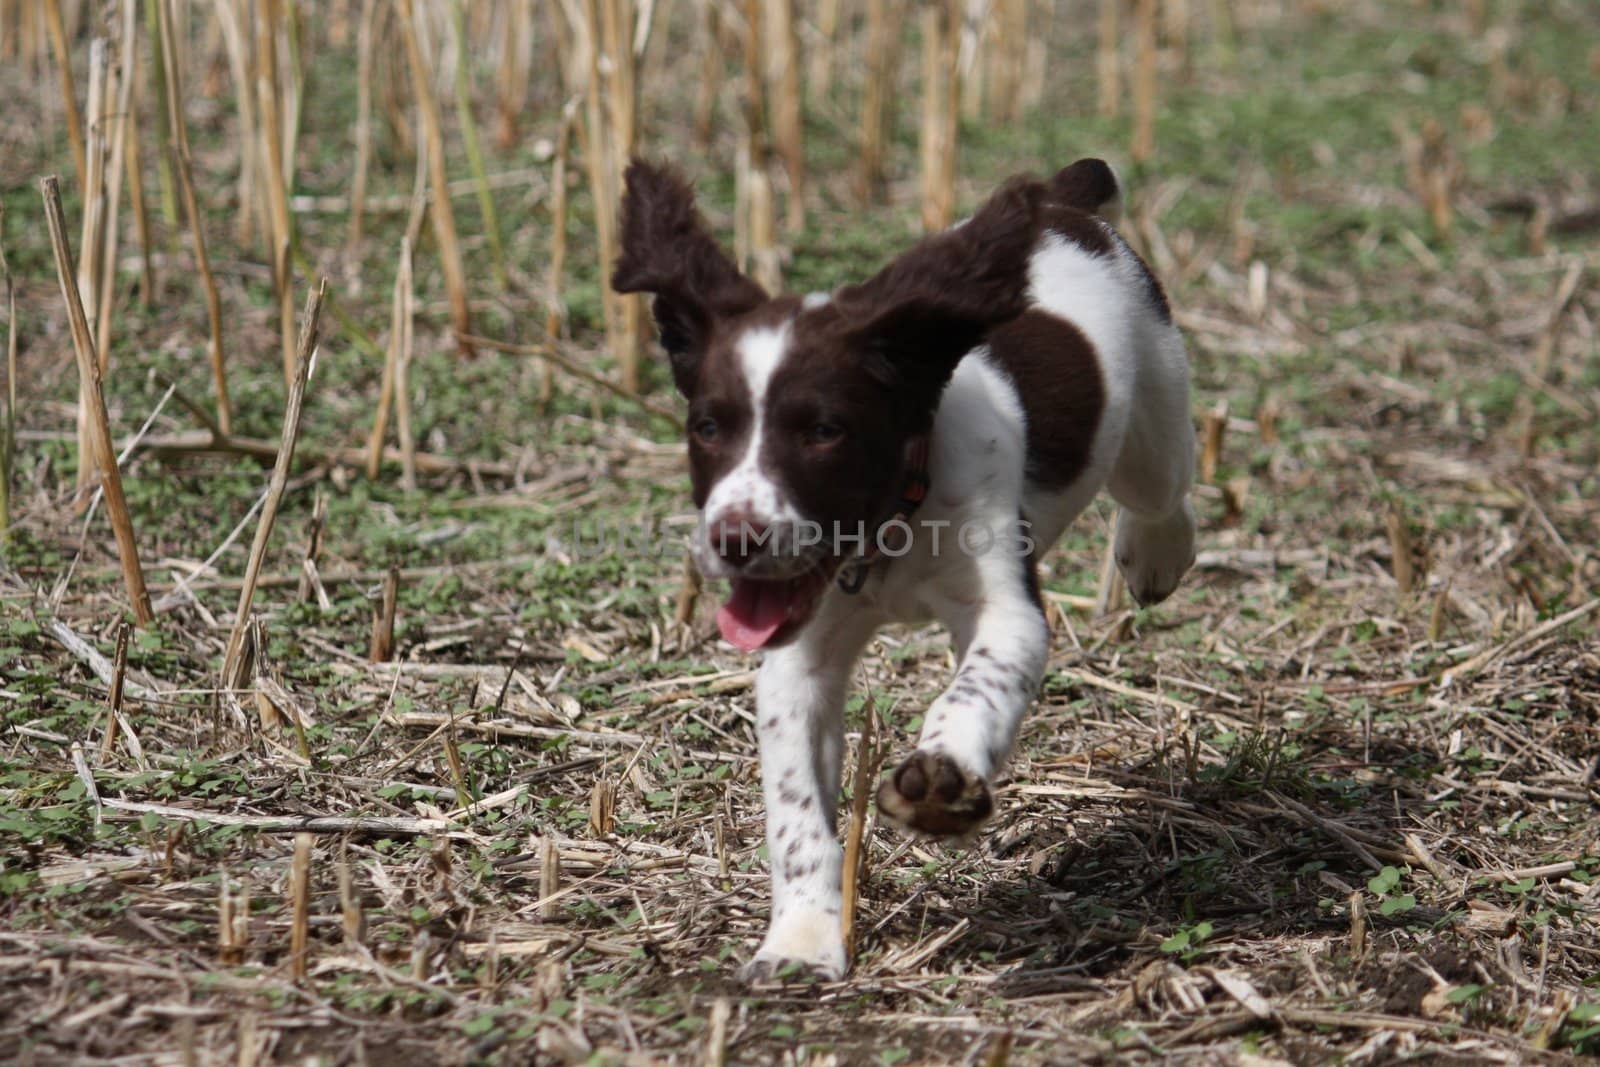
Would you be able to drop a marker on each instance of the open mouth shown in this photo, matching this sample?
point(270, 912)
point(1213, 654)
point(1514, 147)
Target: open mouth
point(765, 613)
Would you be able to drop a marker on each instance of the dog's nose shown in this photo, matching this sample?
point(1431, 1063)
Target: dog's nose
point(739, 537)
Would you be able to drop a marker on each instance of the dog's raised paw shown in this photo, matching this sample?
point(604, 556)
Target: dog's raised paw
point(932, 794)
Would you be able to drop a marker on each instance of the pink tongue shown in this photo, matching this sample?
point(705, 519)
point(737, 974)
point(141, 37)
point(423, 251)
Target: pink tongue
point(754, 612)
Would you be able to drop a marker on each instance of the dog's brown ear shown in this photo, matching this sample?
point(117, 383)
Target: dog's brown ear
point(667, 251)
point(916, 318)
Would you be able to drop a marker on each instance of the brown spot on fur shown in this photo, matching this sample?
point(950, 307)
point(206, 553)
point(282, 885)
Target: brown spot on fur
point(1057, 378)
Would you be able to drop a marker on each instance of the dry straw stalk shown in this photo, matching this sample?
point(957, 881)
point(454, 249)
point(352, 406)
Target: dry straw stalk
point(1213, 431)
point(366, 36)
point(280, 478)
point(124, 130)
point(941, 99)
point(104, 454)
point(469, 138)
point(1144, 82)
point(877, 96)
point(555, 311)
point(602, 71)
point(300, 904)
point(91, 242)
point(158, 68)
point(381, 649)
point(119, 676)
point(443, 215)
point(1010, 54)
point(69, 95)
point(233, 19)
point(394, 391)
point(404, 320)
point(91, 236)
point(819, 79)
point(515, 68)
point(191, 207)
point(709, 32)
point(8, 400)
point(1400, 547)
point(860, 791)
point(1108, 58)
point(783, 90)
point(269, 94)
point(141, 210)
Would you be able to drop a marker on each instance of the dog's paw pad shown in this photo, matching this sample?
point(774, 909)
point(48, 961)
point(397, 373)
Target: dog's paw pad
point(781, 970)
point(932, 794)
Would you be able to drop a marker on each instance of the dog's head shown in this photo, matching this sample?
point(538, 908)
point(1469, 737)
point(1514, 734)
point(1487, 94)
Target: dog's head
point(801, 411)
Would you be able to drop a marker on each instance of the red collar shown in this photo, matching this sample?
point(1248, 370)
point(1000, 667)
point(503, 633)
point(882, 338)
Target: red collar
point(913, 490)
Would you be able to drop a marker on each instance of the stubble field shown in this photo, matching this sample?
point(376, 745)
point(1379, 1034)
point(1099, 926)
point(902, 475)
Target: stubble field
point(1335, 798)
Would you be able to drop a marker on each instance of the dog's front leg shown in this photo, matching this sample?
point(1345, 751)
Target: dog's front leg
point(1003, 640)
point(800, 694)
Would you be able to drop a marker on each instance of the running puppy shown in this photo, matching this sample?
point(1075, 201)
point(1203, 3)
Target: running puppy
point(905, 449)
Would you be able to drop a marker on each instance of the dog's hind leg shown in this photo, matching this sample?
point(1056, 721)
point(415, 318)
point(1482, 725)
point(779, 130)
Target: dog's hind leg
point(800, 691)
point(1154, 472)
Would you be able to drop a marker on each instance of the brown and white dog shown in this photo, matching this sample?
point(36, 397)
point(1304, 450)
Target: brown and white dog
point(902, 450)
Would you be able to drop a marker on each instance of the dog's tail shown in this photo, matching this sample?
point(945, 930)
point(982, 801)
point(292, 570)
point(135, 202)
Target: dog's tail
point(1089, 185)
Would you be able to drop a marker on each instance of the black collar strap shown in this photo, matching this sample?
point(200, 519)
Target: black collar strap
point(913, 490)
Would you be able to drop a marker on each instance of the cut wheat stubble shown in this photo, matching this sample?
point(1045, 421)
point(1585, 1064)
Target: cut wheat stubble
point(441, 215)
point(8, 401)
point(381, 649)
point(271, 156)
point(941, 103)
point(366, 37)
point(179, 133)
point(105, 457)
point(275, 488)
point(555, 310)
point(868, 759)
point(878, 97)
point(1108, 58)
point(69, 97)
point(785, 110)
point(124, 130)
point(233, 16)
point(91, 244)
point(394, 391)
point(1143, 144)
point(469, 139)
point(300, 905)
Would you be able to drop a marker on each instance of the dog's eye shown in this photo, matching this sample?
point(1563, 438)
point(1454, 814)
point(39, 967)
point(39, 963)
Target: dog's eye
point(823, 433)
point(705, 431)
